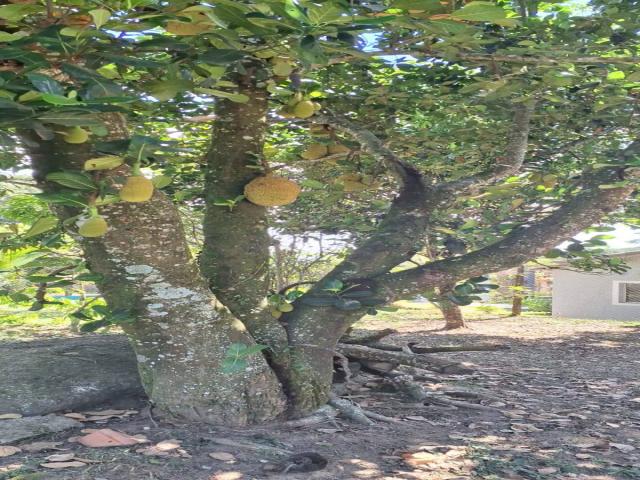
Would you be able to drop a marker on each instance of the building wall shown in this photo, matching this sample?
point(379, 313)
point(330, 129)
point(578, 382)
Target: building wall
point(582, 295)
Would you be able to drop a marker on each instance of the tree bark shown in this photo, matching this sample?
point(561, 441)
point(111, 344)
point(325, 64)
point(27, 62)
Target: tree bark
point(235, 255)
point(180, 333)
point(452, 315)
point(518, 284)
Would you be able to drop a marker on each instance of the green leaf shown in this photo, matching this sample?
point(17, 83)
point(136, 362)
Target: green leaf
point(40, 226)
point(45, 84)
point(221, 56)
point(20, 258)
point(59, 99)
point(161, 181)
point(71, 199)
point(12, 37)
point(430, 6)
point(94, 325)
point(334, 285)
point(100, 16)
point(234, 97)
point(18, 11)
point(292, 9)
point(79, 181)
point(484, 12)
point(164, 90)
point(70, 119)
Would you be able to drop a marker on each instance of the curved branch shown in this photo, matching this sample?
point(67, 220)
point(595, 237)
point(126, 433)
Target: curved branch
point(511, 163)
point(525, 242)
point(400, 233)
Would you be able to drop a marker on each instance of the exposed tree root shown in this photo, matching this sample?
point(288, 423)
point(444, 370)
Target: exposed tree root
point(413, 348)
point(350, 410)
point(415, 391)
point(326, 413)
point(356, 413)
point(360, 352)
point(369, 337)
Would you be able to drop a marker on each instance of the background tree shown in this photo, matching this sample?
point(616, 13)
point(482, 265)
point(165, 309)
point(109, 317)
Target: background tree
point(522, 130)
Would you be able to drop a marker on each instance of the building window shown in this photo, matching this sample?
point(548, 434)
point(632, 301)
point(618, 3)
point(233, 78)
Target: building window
point(626, 293)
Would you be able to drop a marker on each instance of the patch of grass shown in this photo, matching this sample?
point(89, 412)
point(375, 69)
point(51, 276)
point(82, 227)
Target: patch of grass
point(24, 324)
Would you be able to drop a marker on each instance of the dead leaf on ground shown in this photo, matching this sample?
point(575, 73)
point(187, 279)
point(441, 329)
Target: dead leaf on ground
point(106, 437)
point(524, 427)
point(41, 446)
point(9, 416)
point(623, 447)
point(227, 476)
point(547, 470)
point(61, 465)
point(223, 456)
point(61, 457)
point(8, 450)
point(166, 448)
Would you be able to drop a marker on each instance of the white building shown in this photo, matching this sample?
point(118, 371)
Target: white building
point(602, 296)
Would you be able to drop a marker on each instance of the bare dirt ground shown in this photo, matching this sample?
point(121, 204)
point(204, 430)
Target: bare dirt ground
point(566, 401)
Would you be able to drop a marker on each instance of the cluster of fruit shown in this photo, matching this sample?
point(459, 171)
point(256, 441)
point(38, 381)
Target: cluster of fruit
point(135, 189)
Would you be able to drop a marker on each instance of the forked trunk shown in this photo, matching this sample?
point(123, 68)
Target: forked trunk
point(186, 343)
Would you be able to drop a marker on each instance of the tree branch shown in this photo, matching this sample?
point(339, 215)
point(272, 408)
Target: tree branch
point(523, 243)
point(510, 164)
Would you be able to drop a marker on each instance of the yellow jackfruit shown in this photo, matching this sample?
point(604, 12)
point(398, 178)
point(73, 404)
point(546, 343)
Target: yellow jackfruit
point(76, 135)
point(136, 189)
point(304, 109)
point(103, 163)
point(270, 191)
point(336, 148)
point(93, 227)
point(314, 151)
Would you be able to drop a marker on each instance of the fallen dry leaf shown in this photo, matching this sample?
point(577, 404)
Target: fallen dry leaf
point(105, 412)
point(582, 456)
point(547, 470)
point(166, 448)
point(226, 476)
point(623, 447)
point(109, 438)
point(9, 416)
point(223, 456)
point(524, 427)
point(61, 457)
point(7, 451)
point(61, 465)
point(41, 446)
point(76, 416)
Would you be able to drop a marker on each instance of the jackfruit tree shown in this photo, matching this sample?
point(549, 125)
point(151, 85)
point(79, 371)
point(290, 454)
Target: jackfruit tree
point(509, 126)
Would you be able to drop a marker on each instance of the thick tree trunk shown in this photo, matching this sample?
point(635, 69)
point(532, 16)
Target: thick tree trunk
point(518, 284)
point(180, 335)
point(235, 255)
